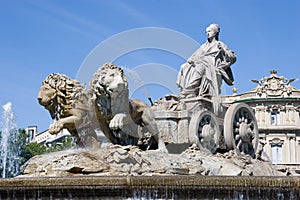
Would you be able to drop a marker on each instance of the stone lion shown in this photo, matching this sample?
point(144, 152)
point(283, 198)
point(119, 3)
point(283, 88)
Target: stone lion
point(69, 104)
point(123, 120)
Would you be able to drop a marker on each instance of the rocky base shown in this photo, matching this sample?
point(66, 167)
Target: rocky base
point(115, 160)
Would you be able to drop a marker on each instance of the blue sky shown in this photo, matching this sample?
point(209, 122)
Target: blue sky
point(41, 37)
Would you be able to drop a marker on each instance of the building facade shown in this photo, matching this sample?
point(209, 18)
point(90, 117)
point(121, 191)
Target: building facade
point(31, 132)
point(277, 106)
point(45, 137)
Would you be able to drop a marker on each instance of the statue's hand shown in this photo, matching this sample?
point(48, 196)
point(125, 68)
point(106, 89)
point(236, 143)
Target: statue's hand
point(118, 121)
point(56, 127)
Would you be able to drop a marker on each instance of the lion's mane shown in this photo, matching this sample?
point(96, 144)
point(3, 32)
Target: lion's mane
point(100, 89)
point(68, 92)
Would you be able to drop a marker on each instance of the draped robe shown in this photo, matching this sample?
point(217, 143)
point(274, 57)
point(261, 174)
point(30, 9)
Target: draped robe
point(203, 72)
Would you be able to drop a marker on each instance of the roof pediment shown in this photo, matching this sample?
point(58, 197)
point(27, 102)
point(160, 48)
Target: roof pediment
point(274, 85)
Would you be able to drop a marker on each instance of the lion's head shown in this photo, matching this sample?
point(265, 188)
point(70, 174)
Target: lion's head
point(57, 94)
point(108, 83)
point(109, 80)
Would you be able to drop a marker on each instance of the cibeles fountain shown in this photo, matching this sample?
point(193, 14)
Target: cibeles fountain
point(186, 145)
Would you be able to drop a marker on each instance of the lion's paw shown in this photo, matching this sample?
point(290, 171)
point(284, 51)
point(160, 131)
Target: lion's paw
point(56, 127)
point(118, 121)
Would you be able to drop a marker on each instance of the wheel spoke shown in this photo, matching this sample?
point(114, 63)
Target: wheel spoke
point(240, 129)
point(204, 124)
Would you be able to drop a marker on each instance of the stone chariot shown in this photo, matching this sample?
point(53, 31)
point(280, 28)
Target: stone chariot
point(197, 115)
point(194, 121)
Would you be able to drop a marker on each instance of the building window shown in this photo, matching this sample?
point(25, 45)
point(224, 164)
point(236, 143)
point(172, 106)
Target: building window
point(276, 154)
point(275, 118)
point(31, 134)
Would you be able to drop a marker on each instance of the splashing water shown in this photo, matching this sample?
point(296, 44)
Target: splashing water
point(134, 76)
point(137, 80)
point(9, 150)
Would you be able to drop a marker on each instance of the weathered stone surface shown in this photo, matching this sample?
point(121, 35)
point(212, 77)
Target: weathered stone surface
point(69, 104)
point(129, 160)
point(229, 169)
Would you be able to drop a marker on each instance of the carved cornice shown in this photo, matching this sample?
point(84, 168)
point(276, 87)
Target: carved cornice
point(260, 108)
point(275, 107)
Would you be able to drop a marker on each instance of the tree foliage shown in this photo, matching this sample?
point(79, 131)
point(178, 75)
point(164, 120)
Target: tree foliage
point(32, 149)
point(66, 143)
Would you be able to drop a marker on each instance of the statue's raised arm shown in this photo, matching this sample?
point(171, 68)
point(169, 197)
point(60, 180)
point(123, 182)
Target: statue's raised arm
point(203, 72)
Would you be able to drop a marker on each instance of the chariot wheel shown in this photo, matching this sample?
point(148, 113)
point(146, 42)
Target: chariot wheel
point(204, 130)
point(240, 129)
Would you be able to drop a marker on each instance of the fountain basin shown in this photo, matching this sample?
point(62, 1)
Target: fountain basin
point(151, 187)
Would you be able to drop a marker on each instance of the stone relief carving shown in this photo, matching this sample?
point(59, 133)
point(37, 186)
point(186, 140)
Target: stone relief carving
point(274, 85)
point(276, 141)
point(275, 107)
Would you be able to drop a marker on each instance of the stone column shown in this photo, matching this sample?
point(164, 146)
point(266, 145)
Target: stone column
point(268, 147)
point(292, 148)
point(298, 150)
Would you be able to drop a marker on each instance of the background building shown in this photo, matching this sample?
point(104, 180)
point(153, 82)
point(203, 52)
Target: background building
point(32, 132)
point(45, 137)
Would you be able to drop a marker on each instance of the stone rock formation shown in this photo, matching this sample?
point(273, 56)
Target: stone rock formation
point(116, 160)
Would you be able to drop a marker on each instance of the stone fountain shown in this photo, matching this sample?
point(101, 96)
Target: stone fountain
point(188, 145)
point(151, 187)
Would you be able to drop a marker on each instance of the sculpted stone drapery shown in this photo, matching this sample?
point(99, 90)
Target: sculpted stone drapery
point(203, 72)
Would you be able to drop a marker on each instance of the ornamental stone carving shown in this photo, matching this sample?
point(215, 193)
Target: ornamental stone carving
point(274, 85)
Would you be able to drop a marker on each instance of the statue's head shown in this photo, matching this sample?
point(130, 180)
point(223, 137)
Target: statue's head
point(212, 31)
